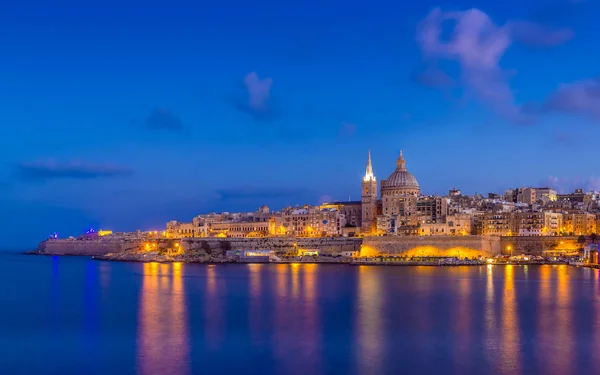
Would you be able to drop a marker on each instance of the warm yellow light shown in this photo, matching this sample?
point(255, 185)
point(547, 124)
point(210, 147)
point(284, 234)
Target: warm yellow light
point(490, 260)
point(176, 245)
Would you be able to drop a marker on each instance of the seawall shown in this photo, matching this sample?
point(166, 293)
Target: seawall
point(85, 247)
point(537, 245)
point(441, 246)
point(329, 245)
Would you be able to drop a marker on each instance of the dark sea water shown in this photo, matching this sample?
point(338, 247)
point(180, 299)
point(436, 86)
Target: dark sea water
point(79, 316)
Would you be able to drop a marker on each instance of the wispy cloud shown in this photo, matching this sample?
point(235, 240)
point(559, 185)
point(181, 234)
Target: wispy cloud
point(565, 185)
point(163, 118)
point(434, 77)
point(478, 45)
point(582, 98)
point(256, 101)
point(48, 170)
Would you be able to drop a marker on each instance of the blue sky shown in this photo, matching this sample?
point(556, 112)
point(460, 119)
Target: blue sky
point(124, 115)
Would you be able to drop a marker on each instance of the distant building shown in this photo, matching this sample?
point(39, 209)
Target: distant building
point(242, 229)
point(579, 224)
point(397, 188)
point(546, 193)
point(352, 211)
point(369, 199)
point(526, 195)
point(431, 210)
point(497, 224)
point(576, 197)
point(454, 192)
point(312, 222)
point(538, 223)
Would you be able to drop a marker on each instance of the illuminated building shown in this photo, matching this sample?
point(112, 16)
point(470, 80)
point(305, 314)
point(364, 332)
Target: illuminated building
point(312, 222)
point(399, 184)
point(352, 211)
point(431, 210)
point(176, 229)
point(398, 205)
point(546, 193)
point(369, 199)
point(526, 195)
point(579, 224)
point(538, 223)
point(497, 224)
point(308, 252)
point(242, 229)
point(257, 255)
point(456, 225)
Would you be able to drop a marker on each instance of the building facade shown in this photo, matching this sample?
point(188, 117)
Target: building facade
point(369, 199)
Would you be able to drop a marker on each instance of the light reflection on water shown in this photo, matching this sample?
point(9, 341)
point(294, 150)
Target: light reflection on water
point(457, 313)
point(369, 330)
point(98, 318)
point(162, 338)
point(510, 340)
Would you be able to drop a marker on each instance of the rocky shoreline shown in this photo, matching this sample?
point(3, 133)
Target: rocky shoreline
point(220, 258)
point(209, 258)
point(145, 257)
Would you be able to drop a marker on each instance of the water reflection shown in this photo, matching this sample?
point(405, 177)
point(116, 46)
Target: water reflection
point(490, 315)
point(510, 340)
point(563, 322)
point(214, 316)
point(369, 327)
point(280, 326)
point(297, 330)
point(255, 315)
point(295, 269)
point(496, 320)
point(162, 338)
point(91, 307)
point(464, 318)
point(311, 328)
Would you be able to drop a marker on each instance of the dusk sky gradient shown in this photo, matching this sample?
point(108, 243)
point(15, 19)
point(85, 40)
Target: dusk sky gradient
point(124, 115)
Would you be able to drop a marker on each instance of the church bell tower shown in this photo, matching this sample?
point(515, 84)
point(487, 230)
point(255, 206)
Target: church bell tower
point(369, 199)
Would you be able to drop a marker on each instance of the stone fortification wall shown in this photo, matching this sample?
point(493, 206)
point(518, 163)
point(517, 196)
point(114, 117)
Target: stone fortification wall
point(325, 245)
point(538, 244)
point(443, 246)
point(461, 246)
point(85, 247)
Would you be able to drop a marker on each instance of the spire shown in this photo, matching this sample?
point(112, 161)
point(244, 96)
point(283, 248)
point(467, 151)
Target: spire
point(369, 173)
point(401, 163)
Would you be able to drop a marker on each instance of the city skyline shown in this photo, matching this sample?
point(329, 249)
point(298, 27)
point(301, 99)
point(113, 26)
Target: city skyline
point(123, 117)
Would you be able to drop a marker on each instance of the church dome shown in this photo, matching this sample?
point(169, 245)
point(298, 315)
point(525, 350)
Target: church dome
point(401, 178)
